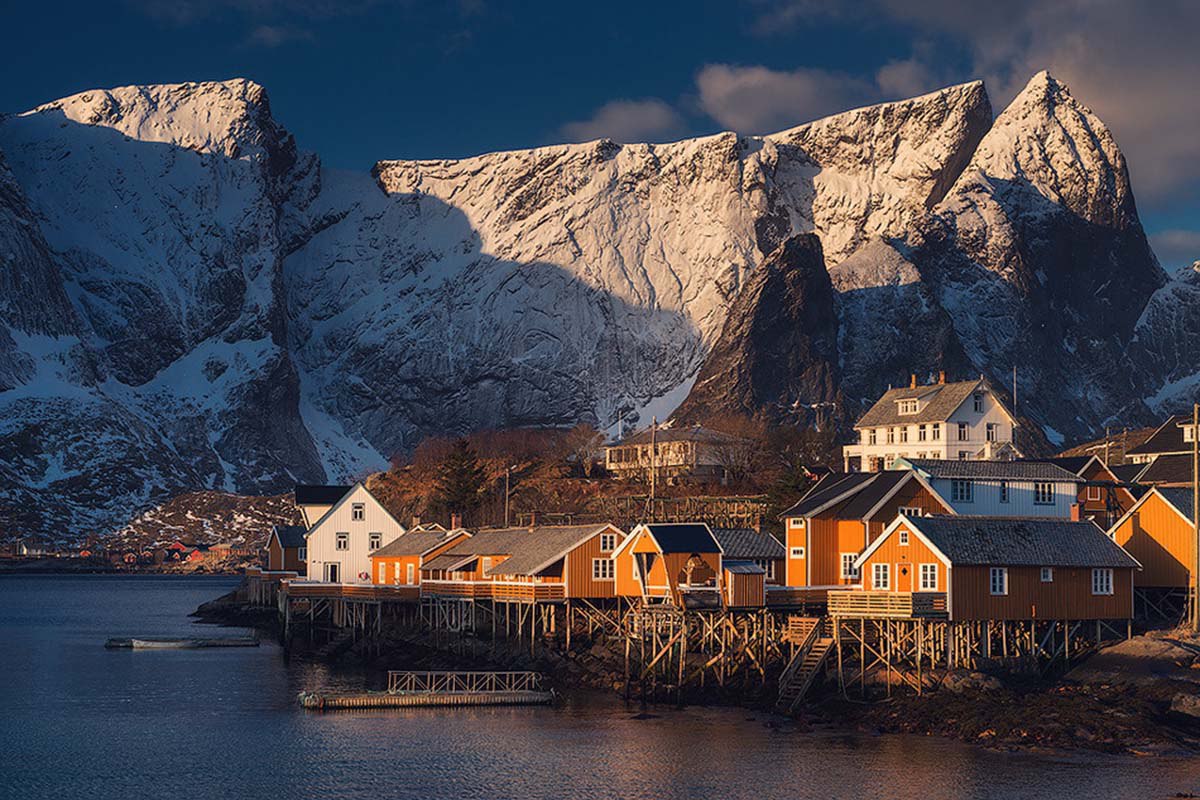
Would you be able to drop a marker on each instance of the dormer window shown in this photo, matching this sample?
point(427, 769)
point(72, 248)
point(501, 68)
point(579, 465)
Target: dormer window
point(909, 406)
point(358, 512)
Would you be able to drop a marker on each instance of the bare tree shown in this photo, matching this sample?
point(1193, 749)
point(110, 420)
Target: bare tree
point(740, 447)
point(585, 444)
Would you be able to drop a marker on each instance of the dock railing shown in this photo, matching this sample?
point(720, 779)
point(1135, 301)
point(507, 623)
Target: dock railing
point(463, 682)
point(895, 605)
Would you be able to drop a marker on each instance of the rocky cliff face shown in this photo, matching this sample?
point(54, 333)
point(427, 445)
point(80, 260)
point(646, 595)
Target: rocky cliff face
point(192, 302)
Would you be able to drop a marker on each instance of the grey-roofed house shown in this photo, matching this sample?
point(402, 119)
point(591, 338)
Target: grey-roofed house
point(688, 453)
point(677, 563)
point(1173, 437)
point(957, 420)
point(1000, 488)
point(1001, 568)
point(1159, 531)
point(746, 545)
point(286, 549)
point(314, 500)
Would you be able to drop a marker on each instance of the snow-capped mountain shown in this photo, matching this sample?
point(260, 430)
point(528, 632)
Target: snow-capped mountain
point(191, 301)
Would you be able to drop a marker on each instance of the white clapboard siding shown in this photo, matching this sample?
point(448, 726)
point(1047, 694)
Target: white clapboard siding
point(986, 501)
point(354, 563)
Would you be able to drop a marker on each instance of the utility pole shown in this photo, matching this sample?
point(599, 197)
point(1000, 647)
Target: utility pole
point(1196, 516)
point(1014, 390)
point(653, 462)
point(507, 473)
point(1107, 436)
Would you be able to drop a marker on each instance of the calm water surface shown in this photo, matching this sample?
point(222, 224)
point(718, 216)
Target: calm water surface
point(79, 721)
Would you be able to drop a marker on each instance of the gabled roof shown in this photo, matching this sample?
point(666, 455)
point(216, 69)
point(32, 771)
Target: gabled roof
point(1167, 439)
point(989, 470)
point(743, 568)
point(1014, 542)
point(746, 543)
point(1127, 473)
point(535, 549)
point(289, 535)
point(334, 508)
point(1180, 498)
point(1168, 469)
point(319, 494)
point(449, 561)
point(1073, 464)
point(827, 491)
point(678, 537)
point(938, 402)
point(418, 542)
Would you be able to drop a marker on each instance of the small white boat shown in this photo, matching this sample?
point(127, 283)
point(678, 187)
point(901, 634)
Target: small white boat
point(179, 643)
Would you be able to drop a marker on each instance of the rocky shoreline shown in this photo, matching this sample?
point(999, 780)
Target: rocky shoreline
point(1139, 697)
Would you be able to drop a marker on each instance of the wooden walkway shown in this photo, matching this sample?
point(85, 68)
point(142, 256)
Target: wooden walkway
point(454, 688)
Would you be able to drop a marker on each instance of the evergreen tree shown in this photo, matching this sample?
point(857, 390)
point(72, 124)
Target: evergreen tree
point(460, 480)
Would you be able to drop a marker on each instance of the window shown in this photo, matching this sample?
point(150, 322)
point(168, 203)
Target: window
point(408, 578)
point(608, 542)
point(796, 523)
point(1189, 432)
point(888, 460)
point(999, 581)
point(962, 491)
point(1003, 491)
point(343, 542)
point(964, 455)
point(1043, 494)
point(928, 578)
point(991, 431)
point(602, 569)
point(908, 406)
point(396, 571)
point(978, 403)
point(1047, 574)
point(902, 535)
point(303, 554)
point(909, 511)
point(358, 512)
point(891, 435)
point(1093, 493)
point(871, 436)
point(383, 573)
point(904, 435)
point(374, 541)
point(1102, 581)
point(964, 432)
point(485, 565)
point(921, 430)
point(849, 571)
point(881, 577)
point(768, 565)
point(797, 552)
point(937, 431)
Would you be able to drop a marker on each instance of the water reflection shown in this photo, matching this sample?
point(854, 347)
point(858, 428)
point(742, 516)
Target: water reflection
point(225, 723)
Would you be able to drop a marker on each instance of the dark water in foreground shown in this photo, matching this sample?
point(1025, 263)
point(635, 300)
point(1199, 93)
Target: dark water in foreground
point(79, 721)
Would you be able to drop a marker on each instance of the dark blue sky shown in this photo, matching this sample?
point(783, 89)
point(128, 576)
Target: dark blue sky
point(363, 80)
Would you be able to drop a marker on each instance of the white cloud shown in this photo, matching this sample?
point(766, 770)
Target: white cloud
point(760, 100)
point(1176, 247)
point(628, 121)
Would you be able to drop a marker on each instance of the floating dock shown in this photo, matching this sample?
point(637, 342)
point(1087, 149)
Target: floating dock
point(178, 643)
point(417, 689)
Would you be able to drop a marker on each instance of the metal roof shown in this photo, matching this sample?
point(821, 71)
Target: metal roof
point(1167, 469)
point(290, 535)
point(1022, 541)
point(869, 494)
point(684, 537)
point(319, 494)
point(743, 568)
point(939, 401)
point(991, 470)
point(743, 543)
point(826, 490)
point(1167, 439)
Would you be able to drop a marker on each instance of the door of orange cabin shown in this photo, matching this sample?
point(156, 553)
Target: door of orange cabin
point(904, 578)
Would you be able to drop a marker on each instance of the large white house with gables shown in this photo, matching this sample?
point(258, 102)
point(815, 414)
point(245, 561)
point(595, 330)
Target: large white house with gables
point(340, 542)
point(959, 421)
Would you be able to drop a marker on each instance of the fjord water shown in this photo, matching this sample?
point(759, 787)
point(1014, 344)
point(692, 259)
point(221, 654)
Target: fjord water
point(77, 720)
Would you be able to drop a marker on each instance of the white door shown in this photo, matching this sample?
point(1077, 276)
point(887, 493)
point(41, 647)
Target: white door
point(333, 573)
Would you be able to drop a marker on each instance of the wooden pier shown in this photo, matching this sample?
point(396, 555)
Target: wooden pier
point(454, 688)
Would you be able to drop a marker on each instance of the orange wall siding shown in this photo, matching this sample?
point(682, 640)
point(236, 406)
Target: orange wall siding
point(579, 568)
point(1068, 596)
point(393, 570)
point(796, 572)
point(904, 561)
point(284, 558)
point(1161, 541)
point(744, 591)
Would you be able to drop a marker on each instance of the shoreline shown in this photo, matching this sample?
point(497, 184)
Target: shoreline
point(1090, 712)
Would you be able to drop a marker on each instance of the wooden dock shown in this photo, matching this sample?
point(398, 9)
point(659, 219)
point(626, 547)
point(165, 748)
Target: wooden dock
point(421, 689)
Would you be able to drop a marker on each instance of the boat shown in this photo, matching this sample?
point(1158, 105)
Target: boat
point(179, 643)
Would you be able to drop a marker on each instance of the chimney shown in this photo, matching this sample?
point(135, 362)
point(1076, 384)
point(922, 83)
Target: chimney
point(941, 377)
point(416, 520)
point(913, 383)
point(1075, 511)
point(455, 521)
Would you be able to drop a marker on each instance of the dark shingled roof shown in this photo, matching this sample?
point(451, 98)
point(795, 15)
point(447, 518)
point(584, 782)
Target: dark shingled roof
point(414, 543)
point(871, 493)
point(1071, 464)
point(1127, 472)
point(826, 489)
point(993, 470)
point(939, 401)
point(1167, 439)
point(290, 535)
point(319, 495)
point(1021, 541)
point(746, 543)
point(449, 561)
point(688, 433)
point(1168, 469)
point(743, 568)
point(1180, 497)
point(683, 537)
point(534, 549)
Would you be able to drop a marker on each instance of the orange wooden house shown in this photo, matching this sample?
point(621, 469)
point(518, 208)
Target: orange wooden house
point(995, 568)
point(842, 514)
point(676, 563)
point(540, 564)
point(1158, 531)
point(286, 549)
point(398, 563)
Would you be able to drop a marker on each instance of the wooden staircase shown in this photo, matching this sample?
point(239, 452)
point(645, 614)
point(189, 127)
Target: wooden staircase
point(800, 673)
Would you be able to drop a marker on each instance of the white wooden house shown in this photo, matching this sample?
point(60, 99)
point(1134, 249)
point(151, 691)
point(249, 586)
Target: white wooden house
point(340, 543)
point(1000, 488)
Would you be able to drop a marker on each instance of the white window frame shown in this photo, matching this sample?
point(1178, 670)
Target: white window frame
point(1047, 574)
point(358, 512)
point(962, 490)
point(341, 541)
point(797, 552)
point(849, 571)
point(937, 431)
point(1043, 493)
point(871, 436)
point(927, 570)
point(998, 581)
point(964, 432)
point(382, 572)
point(909, 511)
point(902, 537)
point(374, 541)
point(1102, 581)
point(1094, 494)
point(1004, 494)
point(909, 406)
point(903, 434)
point(303, 553)
point(603, 569)
point(410, 574)
point(922, 430)
point(992, 432)
point(978, 406)
point(396, 571)
point(881, 570)
point(891, 435)
point(608, 542)
point(768, 566)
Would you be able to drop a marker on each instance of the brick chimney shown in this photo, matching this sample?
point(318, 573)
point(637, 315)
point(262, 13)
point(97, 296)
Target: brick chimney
point(1075, 512)
point(455, 521)
point(913, 382)
point(941, 377)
